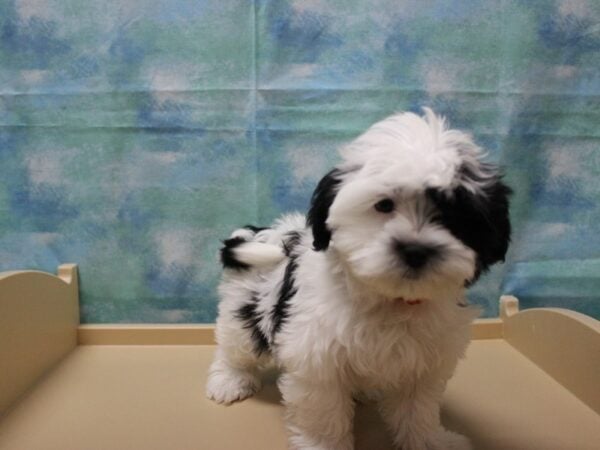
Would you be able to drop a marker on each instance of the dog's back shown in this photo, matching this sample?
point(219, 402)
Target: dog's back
point(258, 282)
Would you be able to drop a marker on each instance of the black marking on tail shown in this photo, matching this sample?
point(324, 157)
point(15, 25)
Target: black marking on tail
point(228, 255)
point(251, 319)
point(288, 289)
point(255, 229)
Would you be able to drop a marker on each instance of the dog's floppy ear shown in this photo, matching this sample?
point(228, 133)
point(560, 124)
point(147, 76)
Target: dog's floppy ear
point(490, 209)
point(479, 219)
point(320, 203)
point(498, 195)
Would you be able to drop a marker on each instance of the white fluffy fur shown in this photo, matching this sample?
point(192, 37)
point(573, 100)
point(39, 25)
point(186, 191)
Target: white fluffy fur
point(350, 327)
point(259, 254)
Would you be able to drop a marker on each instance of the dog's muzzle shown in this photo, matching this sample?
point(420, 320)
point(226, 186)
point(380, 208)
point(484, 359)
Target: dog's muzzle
point(410, 301)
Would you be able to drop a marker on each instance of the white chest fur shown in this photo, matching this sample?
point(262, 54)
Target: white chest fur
point(378, 347)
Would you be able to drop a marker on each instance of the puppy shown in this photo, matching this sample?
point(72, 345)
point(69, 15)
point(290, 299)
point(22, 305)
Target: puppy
point(366, 295)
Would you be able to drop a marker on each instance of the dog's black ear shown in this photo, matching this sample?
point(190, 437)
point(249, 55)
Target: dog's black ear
point(320, 203)
point(497, 195)
point(480, 220)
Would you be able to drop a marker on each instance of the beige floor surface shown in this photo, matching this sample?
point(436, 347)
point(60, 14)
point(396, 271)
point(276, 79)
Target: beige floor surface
point(152, 398)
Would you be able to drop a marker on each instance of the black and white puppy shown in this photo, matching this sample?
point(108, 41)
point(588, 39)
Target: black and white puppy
point(367, 293)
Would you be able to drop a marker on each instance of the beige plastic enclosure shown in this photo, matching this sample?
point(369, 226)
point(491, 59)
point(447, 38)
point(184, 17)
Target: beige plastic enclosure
point(530, 380)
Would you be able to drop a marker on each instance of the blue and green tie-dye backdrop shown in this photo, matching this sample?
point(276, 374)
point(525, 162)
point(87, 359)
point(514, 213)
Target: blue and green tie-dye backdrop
point(136, 134)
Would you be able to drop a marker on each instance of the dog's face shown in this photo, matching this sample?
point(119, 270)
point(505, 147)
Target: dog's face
point(412, 211)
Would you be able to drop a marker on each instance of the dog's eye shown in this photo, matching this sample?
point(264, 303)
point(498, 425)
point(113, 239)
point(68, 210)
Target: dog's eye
point(385, 206)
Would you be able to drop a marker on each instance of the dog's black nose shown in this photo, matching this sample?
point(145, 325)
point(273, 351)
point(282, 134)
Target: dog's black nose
point(415, 255)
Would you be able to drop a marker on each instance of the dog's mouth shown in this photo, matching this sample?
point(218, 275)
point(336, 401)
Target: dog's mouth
point(410, 301)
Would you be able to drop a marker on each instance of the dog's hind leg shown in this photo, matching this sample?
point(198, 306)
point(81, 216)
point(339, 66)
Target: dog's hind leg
point(233, 375)
point(228, 383)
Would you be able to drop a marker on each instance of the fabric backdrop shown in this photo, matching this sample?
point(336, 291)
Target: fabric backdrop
point(135, 134)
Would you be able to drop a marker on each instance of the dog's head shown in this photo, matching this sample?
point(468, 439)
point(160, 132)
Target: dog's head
point(412, 210)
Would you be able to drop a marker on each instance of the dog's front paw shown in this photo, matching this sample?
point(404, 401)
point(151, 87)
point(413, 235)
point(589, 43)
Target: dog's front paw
point(229, 385)
point(301, 442)
point(454, 441)
point(441, 440)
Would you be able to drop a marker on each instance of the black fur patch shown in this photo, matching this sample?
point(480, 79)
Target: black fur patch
point(291, 241)
point(288, 289)
point(321, 201)
point(255, 229)
point(227, 254)
point(251, 319)
point(481, 221)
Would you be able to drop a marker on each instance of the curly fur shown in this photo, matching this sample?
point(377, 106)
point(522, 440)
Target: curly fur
point(362, 296)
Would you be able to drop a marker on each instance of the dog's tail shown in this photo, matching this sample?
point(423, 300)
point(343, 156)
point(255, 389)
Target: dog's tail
point(240, 252)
